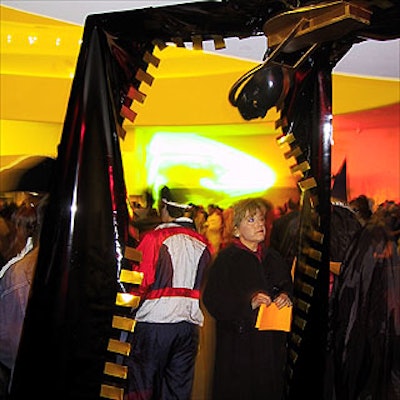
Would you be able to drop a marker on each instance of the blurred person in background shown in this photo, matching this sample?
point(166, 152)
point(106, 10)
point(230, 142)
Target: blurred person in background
point(366, 311)
point(214, 226)
point(6, 234)
point(199, 218)
point(16, 277)
point(362, 207)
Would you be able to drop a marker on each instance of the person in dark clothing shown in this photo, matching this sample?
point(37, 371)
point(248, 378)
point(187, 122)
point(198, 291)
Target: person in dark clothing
point(249, 362)
point(16, 277)
point(366, 319)
point(285, 235)
point(362, 208)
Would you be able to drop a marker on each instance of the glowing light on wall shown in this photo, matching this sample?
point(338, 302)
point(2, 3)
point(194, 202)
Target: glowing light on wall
point(32, 39)
point(186, 160)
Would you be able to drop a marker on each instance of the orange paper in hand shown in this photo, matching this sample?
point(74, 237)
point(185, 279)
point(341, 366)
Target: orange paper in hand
point(273, 318)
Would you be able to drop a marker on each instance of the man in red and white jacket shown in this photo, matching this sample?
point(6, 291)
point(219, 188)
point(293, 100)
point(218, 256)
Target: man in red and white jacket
point(165, 341)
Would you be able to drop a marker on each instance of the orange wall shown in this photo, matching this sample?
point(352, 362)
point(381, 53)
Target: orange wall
point(373, 162)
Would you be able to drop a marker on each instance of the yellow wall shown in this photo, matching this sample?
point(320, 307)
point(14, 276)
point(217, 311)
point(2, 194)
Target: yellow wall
point(38, 60)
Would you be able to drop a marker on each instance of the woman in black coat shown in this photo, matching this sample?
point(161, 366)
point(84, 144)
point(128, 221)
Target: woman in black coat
point(249, 363)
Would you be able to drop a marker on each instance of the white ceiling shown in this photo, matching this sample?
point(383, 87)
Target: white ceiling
point(369, 58)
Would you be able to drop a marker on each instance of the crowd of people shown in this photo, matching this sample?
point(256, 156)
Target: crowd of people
point(212, 221)
point(213, 267)
point(216, 263)
point(253, 248)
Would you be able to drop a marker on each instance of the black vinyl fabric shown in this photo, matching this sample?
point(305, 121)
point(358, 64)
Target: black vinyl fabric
point(366, 323)
point(68, 321)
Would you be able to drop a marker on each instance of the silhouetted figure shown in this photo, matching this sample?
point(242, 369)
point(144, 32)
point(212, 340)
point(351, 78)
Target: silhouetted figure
point(15, 282)
point(362, 208)
point(366, 320)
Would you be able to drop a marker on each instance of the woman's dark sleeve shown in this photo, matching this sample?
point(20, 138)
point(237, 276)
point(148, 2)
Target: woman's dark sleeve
point(277, 273)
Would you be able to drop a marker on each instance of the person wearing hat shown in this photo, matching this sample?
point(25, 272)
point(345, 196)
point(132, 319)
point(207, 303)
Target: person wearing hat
point(165, 341)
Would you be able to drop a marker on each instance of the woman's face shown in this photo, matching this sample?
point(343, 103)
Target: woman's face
point(252, 230)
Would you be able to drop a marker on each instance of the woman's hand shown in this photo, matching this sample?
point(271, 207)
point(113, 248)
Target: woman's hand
point(282, 300)
point(260, 298)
